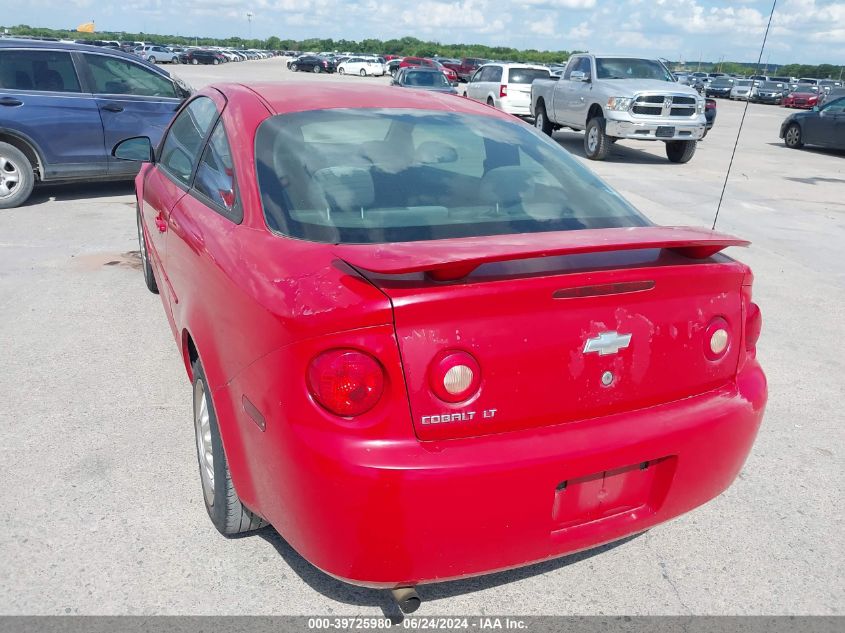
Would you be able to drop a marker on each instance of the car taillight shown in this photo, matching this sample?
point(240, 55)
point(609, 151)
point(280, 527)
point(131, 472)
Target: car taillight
point(346, 382)
point(454, 376)
point(753, 326)
point(503, 90)
point(717, 339)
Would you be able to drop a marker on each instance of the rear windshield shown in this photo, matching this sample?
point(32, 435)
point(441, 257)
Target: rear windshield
point(720, 82)
point(390, 175)
point(526, 75)
point(427, 80)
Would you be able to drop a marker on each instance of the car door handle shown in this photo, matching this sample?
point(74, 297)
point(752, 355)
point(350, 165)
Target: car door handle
point(10, 101)
point(113, 107)
point(161, 223)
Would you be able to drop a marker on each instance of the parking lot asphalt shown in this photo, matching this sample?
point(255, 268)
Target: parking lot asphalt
point(102, 508)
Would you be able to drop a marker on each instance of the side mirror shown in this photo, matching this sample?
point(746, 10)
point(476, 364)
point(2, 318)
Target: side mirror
point(138, 149)
point(579, 75)
point(454, 84)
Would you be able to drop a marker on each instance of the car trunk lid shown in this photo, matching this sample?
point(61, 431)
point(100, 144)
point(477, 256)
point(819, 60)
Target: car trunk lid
point(565, 326)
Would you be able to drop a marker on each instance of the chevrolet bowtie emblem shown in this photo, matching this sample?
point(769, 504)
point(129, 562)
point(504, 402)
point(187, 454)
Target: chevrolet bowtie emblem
point(607, 343)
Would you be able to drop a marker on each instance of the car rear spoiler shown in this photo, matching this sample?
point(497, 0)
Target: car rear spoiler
point(451, 259)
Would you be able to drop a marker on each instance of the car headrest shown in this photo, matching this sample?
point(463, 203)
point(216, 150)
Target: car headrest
point(435, 153)
point(506, 185)
point(346, 188)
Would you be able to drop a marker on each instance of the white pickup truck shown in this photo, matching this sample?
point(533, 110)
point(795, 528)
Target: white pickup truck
point(615, 97)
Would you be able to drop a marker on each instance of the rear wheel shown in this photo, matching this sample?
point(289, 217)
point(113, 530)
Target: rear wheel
point(316, 69)
point(596, 142)
point(363, 73)
point(194, 61)
point(215, 61)
point(16, 177)
point(541, 120)
point(680, 151)
point(792, 138)
point(152, 60)
point(224, 507)
point(490, 102)
point(294, 67)
point(341, 71)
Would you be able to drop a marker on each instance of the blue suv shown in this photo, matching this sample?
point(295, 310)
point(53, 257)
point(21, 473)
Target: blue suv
point(64, 106)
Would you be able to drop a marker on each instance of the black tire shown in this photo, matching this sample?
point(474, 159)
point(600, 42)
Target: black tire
point(215, 61)
point(294, 67)
point(152, 60)
point(680, 151)
point(341, 71)
point(363, 73)
point(17, 177)
point(490, 102)
point(541, 120)
point(596, 143)
point(146, 267)
point(226, 511)
point(792, 138)
point(316, 69)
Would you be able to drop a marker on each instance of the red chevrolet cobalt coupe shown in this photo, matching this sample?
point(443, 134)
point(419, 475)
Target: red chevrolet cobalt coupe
point(426, 343)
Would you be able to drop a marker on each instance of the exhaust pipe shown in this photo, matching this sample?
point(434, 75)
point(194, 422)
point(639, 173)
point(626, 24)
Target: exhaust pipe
point(407, 599)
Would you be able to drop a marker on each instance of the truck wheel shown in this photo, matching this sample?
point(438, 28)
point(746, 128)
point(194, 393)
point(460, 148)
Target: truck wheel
point(792, 139)
point(146, 267)
point(596, 142)
point(541, 120)
point(680, 151)
point(16, 177)
point(224, 507)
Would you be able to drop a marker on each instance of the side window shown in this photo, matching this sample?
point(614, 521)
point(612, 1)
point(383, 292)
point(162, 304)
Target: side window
point(570, 66)
point(484, 74)
point(834, 107)
point(120, 77)
point(184, 140)
point(476, 76)
point(584, 66)
point(495, 74)
point(50, 71)
point(216, 175)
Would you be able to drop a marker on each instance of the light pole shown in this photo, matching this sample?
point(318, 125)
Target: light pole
point(249, 15)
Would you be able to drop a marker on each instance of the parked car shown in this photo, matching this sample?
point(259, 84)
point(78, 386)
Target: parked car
point(770, 92)
point(423, 62)
point(61, 105)
point(314, 64)
point(743, 90)
point(613, 98)
point(506, 86)
point(333, 229)
point(158, 55)
point(834, 93)
point(804, 96)
point(392, 66)
point(361, 66)
point(467, 67)
point(709, 114)
point(424, 79)
point(203, 56)
point(720, 87)
point(823, 126)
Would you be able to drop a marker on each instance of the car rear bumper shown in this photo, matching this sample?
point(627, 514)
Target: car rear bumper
point(645, 129)
point(405, 512)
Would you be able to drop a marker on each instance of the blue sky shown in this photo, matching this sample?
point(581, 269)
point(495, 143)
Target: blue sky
point(803, 31)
